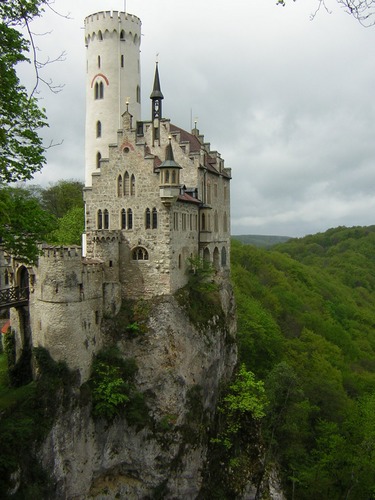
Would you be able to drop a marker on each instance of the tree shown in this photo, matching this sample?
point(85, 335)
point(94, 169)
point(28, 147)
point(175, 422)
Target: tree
point(362, 10)
point(21, 118)
point(60, 197)
point(23, 223)
point(70, 228)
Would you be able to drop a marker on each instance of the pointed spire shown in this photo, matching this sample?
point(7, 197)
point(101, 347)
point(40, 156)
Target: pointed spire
point(169, 157)
point(156, 92)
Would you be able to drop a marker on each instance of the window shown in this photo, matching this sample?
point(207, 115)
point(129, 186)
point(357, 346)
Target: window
point(216, 222)
point(179, 261)
point(122, 60)
point(123, 218)
point(130, 218)
point(98, 129)
point(167, 176)
point(203, 222)
point(98, 61)
point(183, 222)
point(154, 218)
point(175, 222)
point(100, 219)
point(138, 96)
point(132, 185)
point(173, 176)
point(126, 184)
point(100, 36)
point(106, 219)
point(215, 189)
point(148, 218)
point(98, 159)
point(119, 186)
point(225, 222)
point(6, 278)
point(223, 257)
point(209, 192)
point(99, 90)
point(140, 253)
point(122, 35)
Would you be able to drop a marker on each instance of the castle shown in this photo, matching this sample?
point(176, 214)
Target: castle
point(155, 195)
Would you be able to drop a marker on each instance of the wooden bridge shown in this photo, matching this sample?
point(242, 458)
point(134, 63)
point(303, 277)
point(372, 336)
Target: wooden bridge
point(14, 297)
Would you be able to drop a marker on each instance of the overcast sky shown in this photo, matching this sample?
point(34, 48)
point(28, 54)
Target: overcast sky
point(289, 102)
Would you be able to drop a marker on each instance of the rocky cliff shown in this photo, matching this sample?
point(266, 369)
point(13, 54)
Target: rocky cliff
point(182, 360)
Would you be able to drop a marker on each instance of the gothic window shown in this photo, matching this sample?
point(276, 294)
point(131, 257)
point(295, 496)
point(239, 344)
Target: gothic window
point(132, 185)
point(203, 222)
point(99, 90)
point(99, 61)
point(173, 176)
point(225, 222)
point(216, 258)
point(148, 218)
point(122, 60)
point(175, 222)
point(122, 35)
point(98, 128)
point(167, 176)
point(100, 219)
point(206, 255)
point(140, 253)
point(119, 185)
point(154, 218)
point(183, 222)
point(209, 192)
point(100, 36)
point(106, 219)
point(138, 96)
point(98, 159)
point(123, 218)
point(130, 218)
point(216, 222)
point(223, 257)
point(126, 184)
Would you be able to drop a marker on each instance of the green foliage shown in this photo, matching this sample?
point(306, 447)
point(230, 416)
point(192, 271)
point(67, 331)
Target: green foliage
point(245, 400)
point(21, 148)
point(62, 196)
point(201, 275)
point(27, 416)
point(70, 228)
point(113, 389)
point(306, 327)
point(23, 223)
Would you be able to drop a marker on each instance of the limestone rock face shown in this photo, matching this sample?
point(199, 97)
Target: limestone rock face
point(176, 359)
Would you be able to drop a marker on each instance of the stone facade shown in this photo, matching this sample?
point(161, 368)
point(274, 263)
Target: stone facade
point(156, 196)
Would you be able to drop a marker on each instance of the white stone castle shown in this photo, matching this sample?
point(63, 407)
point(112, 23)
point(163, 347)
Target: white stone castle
point(155, 196)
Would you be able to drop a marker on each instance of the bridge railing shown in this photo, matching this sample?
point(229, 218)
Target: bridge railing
point(14, 296)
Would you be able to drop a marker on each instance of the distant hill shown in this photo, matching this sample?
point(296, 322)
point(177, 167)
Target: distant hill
point(259, 240)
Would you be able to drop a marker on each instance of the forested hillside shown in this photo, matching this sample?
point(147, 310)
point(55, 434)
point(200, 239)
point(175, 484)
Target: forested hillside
point(306, 328)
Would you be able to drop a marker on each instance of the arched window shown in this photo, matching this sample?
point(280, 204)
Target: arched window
point(126, 184)
point(173, 176)
point(98, 128)
point(130, 218)
point(167, 176)
point(225, 222)
point(122, 60)
point(122, 35)
point(100, 36)
point(206, 255)
point(154, 218)
point(216, 222)
point(138, 96)
point(216, 257)
point(148, 218)
point(106, 219)
point(203, 222)
point(100, 219)
point(209, 192)
point(99, 61)
point(98, 159)
point(140, 253)
point(119, 185)
point(123, 218)
point(132, 185)
point(99, 90)
point(223, 257)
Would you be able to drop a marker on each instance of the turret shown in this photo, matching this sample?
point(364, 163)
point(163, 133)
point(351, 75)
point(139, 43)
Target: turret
point(156, 98)
point(112, 78)
point(169, 177)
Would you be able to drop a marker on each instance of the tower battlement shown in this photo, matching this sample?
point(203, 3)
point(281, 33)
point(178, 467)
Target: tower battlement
point(112, 21)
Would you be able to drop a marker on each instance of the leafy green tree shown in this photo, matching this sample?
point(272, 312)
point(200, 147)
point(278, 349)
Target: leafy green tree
point(23, 223)
point(21, 118)
point(62, 196)
point(70, 228)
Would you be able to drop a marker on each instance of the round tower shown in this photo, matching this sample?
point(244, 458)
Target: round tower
point(113, 78)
